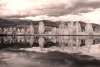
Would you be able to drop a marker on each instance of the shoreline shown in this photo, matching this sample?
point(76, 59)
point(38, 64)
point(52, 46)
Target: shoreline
point(46, 35)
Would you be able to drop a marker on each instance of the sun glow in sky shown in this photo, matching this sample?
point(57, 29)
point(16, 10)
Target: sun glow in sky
point(65, 10)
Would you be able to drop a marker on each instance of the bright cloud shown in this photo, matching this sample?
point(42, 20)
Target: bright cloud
point(51, 9)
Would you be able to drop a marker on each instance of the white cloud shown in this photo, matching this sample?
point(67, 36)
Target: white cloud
point(33, 7)
point(51, 10)
point(42, 17)
point(93, 17)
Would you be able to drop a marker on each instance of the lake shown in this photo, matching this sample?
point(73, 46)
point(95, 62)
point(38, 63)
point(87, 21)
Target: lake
point(49, 51)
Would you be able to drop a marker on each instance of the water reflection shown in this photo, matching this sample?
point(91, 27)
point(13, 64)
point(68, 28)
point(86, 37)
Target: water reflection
point(70, 44)
point(29, 51)
point(41, 41)
point(60, 40)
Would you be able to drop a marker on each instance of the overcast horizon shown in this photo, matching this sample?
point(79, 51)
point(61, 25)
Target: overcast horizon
point(62, 10)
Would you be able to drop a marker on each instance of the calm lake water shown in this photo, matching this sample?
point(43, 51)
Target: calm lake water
point(50, 51)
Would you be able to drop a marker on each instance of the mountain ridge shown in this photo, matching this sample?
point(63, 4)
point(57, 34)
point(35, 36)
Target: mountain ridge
point(46, 22)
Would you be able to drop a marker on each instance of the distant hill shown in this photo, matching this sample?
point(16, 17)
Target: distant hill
point(4, 22)
point(46, 22)
point(20, 22)
point(27, 22)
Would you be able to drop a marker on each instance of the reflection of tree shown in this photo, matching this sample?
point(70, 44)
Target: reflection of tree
point(61, 41)
point(41, 42)
point(54, 39)
point(20, 39)
point(77, 42)
point(31, 40)
point(72, 43)
point(88, 42)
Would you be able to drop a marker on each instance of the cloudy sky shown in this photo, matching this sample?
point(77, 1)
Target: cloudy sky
point(63, 10)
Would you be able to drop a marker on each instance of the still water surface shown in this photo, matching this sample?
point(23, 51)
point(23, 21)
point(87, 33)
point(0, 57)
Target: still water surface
point(50, 51)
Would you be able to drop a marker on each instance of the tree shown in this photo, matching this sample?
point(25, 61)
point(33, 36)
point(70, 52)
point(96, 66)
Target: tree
point(71, 27)
point(41, 28)
point(89, 28)
point(78, 27)
point(62, 26)
point(31, 29)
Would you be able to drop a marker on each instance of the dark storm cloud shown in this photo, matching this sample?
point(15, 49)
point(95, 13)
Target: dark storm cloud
point(16, 16)
point(53, 8)
point(83, 7)
point(78, 7)
point(60, 9)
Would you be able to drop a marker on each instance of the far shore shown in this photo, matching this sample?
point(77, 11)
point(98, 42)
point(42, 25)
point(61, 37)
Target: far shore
point(44, 35)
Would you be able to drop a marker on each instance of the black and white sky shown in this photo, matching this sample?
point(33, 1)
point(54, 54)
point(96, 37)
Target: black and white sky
point(63, 10)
